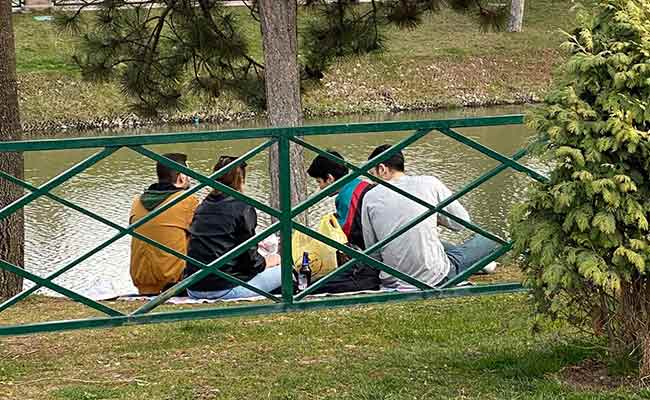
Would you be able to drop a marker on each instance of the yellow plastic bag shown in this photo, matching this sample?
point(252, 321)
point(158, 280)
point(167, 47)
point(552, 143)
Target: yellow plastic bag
point(322, 258)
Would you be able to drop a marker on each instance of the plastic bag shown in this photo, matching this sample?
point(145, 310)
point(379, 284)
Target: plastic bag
point(322, 258)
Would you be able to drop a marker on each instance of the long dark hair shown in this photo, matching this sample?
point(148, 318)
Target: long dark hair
point(235, 178)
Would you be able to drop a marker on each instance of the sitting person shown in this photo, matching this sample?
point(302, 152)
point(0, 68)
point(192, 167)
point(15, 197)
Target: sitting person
point(348, 199)
point(348, 212)
point(220, 224)
point(152, 269)
point(418, 252)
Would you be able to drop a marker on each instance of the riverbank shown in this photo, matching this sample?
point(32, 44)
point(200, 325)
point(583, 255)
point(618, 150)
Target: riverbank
point(442, 349)
point(446, 62)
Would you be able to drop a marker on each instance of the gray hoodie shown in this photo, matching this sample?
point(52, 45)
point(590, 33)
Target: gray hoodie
point(418, 252)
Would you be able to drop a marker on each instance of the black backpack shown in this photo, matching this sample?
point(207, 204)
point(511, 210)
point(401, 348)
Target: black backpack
point(357, 278)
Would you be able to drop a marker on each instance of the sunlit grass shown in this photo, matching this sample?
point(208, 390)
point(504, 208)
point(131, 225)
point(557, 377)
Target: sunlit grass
point(467, 348)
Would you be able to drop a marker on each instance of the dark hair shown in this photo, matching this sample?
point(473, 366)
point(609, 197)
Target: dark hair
point(167, 174)
point(235, 177)
point(323, 166)
point(395, 162)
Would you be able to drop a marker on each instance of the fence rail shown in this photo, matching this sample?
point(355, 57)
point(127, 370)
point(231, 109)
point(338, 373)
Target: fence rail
point(285, 215)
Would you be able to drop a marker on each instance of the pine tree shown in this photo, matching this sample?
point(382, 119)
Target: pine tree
point(584, 235)
point(163, 50)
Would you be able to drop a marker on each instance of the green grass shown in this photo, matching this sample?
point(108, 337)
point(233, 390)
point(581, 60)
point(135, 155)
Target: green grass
point(469, 348)
point(42, 48)
point(446, 61)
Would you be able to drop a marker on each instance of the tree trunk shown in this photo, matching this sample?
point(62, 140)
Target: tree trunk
point(644, 365)
point(516, 21)
point(632, 319)
point(12, 239)
point(643, 322)
point(282, 80)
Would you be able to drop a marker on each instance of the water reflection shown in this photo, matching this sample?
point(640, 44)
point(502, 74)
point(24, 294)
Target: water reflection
point(56, 235)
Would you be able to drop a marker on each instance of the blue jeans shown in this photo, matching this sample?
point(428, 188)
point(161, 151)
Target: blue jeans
point(267, 280)
point(466, 254)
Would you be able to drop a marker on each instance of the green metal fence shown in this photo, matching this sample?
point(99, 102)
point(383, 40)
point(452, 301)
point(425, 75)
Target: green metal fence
point(285, 217)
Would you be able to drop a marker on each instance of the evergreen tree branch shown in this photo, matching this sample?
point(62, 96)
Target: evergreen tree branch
point(160, 49)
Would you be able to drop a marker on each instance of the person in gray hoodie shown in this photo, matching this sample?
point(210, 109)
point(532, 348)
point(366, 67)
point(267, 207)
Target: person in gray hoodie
point(419, 252)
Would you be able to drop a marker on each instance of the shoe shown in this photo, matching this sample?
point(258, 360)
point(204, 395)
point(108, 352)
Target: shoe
point(491, 268)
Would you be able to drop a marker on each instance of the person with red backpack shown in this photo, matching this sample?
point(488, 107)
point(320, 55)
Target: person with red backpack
point(348, 199)
point(348, 202)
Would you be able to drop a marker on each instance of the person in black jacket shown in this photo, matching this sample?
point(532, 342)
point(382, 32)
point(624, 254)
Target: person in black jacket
point(220, 224)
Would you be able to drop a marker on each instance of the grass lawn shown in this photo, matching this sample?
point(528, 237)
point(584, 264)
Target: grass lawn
point(447, 61)
point(466, 348)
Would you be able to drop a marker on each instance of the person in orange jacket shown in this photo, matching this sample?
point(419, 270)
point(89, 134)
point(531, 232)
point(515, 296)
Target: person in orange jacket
point(152, 269)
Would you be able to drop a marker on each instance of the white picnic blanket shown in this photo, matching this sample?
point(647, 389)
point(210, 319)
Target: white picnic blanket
point(188, 300)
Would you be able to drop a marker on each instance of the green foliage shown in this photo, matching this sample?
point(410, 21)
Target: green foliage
point(584, 235)
point(160, 51)
point(336, 30)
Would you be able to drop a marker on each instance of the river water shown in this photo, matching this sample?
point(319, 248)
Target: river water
point(56, 235)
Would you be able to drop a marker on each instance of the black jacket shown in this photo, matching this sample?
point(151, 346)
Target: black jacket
point(220, 224)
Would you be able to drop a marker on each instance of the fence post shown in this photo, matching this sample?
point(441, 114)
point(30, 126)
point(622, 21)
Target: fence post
point(285, 217)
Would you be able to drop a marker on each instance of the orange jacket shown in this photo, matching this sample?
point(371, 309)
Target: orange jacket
point(152, 269)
